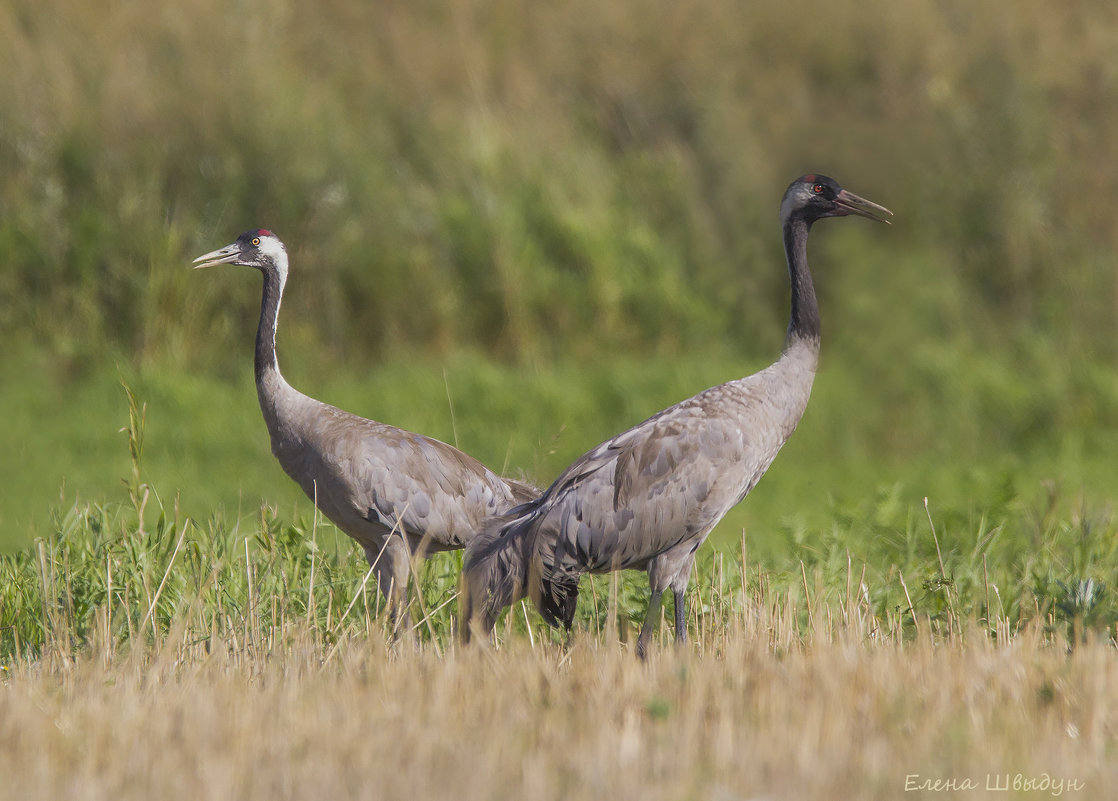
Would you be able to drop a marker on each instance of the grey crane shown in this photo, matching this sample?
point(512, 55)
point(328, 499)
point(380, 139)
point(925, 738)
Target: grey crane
point(395, 492)
point(648, 498)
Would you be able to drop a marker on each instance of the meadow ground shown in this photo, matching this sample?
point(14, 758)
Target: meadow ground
point(168, 658)
point(753, 709)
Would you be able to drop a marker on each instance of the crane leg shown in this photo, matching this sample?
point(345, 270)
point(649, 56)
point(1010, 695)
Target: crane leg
point(651, 620)
point(390, 563)
point(680, 617)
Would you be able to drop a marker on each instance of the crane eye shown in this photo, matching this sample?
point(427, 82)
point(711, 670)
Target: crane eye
point(256, 241)
point(817, 189)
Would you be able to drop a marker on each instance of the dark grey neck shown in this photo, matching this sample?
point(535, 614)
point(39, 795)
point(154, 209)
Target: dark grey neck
point(278, 401)
point(804, 324)
point(265, 359)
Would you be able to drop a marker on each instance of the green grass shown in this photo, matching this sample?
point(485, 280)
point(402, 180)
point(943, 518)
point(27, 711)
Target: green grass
point(144, 561)
point(101, 576)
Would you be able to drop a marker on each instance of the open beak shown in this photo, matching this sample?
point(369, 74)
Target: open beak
point(225, 255)
point(850, 203)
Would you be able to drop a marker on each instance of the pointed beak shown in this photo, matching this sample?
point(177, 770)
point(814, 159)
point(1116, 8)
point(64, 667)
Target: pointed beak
point(226, 255)
point(850, 203)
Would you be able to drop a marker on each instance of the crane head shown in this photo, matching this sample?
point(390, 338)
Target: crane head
point(816, 196)
point(258, 248)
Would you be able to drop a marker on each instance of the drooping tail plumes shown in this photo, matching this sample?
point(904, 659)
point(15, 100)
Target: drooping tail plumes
point(555, 596)
point(557, 601)
point(495, 571)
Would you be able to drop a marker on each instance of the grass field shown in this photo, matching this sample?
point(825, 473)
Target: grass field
point(172, 657)
point(176, 663)
point(522, 229)
point(755, 711)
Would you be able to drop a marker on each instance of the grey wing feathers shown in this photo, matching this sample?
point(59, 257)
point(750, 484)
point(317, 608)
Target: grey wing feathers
point(626, 501)
point(395, 478)
point(429, 487)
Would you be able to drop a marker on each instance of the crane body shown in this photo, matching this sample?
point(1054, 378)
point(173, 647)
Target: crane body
point(648, 498)
point(397, 493)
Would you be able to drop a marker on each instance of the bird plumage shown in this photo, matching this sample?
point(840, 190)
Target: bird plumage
point(395, 492)
point(647, 498)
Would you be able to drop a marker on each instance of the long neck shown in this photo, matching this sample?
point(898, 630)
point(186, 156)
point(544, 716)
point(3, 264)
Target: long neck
point(272, 390)
point(804, 325)
point(265, 360)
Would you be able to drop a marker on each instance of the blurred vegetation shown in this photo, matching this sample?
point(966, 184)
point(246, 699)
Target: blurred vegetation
point(524, 228)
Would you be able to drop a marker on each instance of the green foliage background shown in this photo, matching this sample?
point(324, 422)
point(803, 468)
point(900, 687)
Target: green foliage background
point(524, 227)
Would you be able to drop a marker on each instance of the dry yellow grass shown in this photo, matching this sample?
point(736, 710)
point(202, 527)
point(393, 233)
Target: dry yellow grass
point(750, 711)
